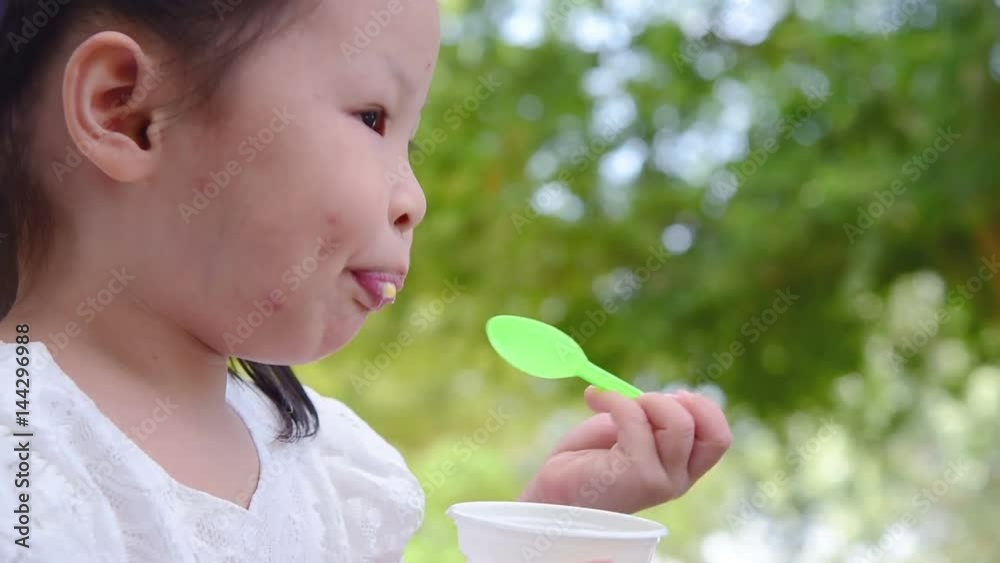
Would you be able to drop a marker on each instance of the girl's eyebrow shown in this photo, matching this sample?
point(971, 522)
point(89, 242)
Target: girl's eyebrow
point(399, 74)
point(407, 84)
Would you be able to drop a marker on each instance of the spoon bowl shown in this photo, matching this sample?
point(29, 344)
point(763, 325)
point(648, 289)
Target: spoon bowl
point(536, 348)
point(542, 350)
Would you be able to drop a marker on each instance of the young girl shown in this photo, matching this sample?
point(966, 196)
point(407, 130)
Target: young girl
point(170, 167)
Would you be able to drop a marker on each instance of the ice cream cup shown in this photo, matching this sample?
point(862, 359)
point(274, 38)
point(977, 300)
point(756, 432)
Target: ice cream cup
point(523, 532)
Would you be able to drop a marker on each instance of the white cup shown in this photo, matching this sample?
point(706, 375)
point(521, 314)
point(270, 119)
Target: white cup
point(524, 532)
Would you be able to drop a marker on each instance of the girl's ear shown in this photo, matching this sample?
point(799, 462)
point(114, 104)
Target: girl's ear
point(108, 106)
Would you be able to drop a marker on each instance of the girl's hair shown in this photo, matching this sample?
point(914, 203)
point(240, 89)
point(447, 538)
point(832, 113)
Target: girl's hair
point(209, 37)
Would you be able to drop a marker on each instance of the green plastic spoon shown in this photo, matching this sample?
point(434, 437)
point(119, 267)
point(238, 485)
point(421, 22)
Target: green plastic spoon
point(544, 351)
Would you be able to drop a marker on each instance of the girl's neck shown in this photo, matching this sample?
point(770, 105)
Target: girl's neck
point(119, 342)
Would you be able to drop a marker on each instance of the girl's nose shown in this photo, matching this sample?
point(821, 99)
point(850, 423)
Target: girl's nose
point(408, 206)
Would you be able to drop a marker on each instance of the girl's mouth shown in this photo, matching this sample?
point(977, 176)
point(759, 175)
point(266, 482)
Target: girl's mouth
point(381, 287)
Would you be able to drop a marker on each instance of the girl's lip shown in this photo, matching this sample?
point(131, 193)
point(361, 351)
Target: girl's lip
point(381, 287)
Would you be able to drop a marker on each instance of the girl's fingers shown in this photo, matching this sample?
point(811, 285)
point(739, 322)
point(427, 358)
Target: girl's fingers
point(598, 432)
point(674, 430)
point(635, 435)
point(673, 439)
point(712, 436)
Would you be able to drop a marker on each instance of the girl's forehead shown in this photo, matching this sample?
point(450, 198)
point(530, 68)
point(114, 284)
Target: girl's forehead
point(402, 35)
point(403, 26)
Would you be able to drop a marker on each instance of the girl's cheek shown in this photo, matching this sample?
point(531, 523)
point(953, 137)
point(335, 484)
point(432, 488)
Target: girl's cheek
point(273, 302)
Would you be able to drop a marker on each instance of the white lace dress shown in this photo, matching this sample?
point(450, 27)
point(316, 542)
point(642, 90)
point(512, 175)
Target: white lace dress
point(96, 497)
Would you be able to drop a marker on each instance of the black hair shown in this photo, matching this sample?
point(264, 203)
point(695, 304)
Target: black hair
point(209, 37)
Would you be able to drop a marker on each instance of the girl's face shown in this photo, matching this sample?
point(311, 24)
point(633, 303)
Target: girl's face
point(276, 224)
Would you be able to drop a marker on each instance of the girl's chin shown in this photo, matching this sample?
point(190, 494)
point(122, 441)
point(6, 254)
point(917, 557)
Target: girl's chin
point(300, 349)
point(342, 333)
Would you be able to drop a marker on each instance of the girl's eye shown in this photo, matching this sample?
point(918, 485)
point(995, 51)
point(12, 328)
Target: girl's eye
point(374, 119)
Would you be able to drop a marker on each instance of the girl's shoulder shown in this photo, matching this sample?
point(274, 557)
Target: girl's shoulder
point(342, 432)
point(38, 394)
point(50, 472)
point(355, 476)
point(338, 421)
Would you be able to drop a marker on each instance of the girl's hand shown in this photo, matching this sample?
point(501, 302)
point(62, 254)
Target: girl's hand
point(634, 454)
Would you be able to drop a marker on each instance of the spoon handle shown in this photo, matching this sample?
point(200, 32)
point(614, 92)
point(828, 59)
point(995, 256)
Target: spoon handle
point(606, 380)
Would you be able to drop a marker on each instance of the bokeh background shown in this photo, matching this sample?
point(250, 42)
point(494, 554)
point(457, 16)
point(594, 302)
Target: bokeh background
point(791, 205)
